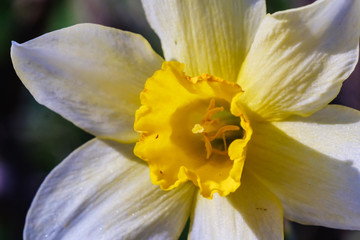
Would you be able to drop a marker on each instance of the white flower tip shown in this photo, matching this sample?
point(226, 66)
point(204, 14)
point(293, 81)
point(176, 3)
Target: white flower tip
point(14, 44)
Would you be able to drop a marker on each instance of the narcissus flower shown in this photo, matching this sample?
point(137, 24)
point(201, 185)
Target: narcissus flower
point(235, 125)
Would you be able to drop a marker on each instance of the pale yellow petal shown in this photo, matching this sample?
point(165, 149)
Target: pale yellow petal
point(313, 165)
point(101, 191)
point(252, 212)
point(300, 58)
point(90, 74)
point(208, 36)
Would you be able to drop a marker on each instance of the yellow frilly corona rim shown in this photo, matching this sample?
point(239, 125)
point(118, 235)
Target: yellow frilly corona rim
point(190, 129)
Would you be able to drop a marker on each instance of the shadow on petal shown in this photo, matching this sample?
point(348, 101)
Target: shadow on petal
point(314, 188)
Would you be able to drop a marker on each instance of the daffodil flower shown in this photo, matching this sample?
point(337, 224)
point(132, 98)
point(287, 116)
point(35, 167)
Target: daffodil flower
point(235, 127)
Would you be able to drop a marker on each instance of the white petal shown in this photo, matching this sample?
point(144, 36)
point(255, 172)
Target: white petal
point(300, 58)
point(313, 165)
point(90, 74)
point(252, 212)
point(208, 36)
point(97, 193)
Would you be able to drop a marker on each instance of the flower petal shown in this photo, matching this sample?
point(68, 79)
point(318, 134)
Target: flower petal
point(312, 164)
point(90, 74)
point(300, 58)
point(97, 193)
point(208, 36)
point(252, 212)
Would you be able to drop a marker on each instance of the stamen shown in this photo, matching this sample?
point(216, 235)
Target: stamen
point(211, 112)
point(224, 141)
point(208, 125)
point(211, 104)
point(208, 146)
point(220, 152)
point(224, 129)
point(212, 122)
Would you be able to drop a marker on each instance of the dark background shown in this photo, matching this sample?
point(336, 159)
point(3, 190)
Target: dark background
point(34, 139)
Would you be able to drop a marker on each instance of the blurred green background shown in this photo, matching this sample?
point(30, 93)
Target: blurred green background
point(34, 139)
